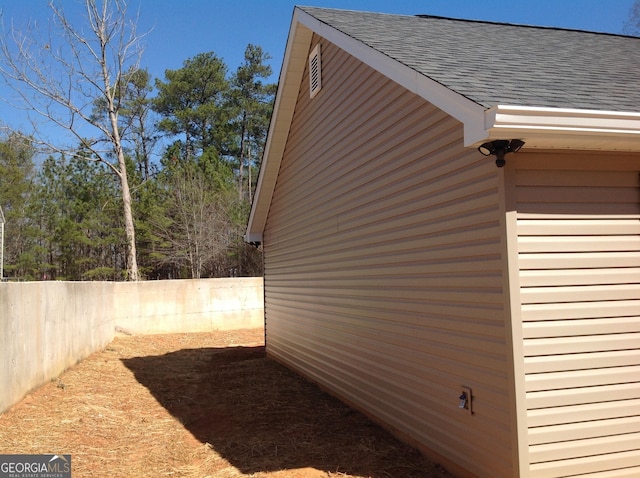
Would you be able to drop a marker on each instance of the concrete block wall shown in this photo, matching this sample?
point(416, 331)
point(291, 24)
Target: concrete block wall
point(46, 327)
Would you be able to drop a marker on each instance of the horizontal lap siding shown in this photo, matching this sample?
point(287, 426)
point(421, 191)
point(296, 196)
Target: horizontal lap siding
point(382, 264)
point(579, 259)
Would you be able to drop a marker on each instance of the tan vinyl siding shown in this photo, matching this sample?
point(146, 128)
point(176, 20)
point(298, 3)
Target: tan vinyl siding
point(383, 265)
point(579, 258)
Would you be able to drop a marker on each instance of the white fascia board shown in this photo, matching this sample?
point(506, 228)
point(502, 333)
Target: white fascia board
point(469, 113)
point(564, 127)
point(291, 73)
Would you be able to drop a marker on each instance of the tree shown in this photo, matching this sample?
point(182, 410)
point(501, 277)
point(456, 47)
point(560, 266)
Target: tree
point(224, 125)
point(196, 221)
point(74, 203)
point(632, 25)
point(253, 101)
point(16, 174)
point(60, 77)
point(137, 130)
point(191, 103)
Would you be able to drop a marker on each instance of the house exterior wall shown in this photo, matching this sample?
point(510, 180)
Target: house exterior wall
point(578, 228)
point(383, 265)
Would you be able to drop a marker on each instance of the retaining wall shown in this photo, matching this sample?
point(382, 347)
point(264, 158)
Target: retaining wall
point(174, 306)
point(46, 327)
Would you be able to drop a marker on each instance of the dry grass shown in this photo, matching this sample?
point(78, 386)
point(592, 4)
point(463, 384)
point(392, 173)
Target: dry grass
point(200, 405)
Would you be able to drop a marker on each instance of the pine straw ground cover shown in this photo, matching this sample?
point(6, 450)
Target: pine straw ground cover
point(200, 405)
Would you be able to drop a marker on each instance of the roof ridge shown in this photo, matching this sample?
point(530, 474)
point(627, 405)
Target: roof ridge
point(524, 25)
point(471, 20)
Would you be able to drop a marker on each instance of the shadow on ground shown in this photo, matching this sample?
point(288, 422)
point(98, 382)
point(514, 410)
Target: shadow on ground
point(262, 417)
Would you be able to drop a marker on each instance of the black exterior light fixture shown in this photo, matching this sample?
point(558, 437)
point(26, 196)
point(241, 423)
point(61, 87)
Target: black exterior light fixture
point(500, 147)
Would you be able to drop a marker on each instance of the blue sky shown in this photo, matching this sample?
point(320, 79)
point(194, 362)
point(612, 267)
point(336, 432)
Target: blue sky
point(184, 28)
point(180, 29)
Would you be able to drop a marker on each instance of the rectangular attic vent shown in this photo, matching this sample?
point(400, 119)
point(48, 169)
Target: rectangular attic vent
point(315, 76)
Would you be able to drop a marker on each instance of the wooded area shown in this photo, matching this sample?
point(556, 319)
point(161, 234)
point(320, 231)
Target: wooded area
point(185, 148)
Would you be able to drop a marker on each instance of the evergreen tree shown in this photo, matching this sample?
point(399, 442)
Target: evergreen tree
point(191, 102)
point(223, 124)
point(252, 103)
point(16, 171)
point(76, 206)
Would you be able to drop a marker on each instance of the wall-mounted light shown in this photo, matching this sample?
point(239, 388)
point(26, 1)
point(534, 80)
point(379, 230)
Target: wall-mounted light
point(500, 147)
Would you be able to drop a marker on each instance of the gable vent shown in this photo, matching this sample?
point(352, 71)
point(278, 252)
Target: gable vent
point(315, 75)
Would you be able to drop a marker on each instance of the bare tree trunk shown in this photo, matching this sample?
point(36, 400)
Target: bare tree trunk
point(116, 140)
point(241, 159)
point(132, 261)
point(250, 182)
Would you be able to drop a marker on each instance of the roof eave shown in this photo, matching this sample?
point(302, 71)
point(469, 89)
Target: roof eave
point(293, 65)
point(564, 128)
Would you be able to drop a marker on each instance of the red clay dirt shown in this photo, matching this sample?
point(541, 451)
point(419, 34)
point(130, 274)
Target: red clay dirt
point(201, 405)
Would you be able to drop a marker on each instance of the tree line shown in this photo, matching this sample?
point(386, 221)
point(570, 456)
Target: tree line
point(158, 181)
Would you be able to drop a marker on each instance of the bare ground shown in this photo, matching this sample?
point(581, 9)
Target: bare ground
point(201, 405)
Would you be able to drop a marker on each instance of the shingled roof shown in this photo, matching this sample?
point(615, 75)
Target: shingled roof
point(496, 63)
point(552, 88)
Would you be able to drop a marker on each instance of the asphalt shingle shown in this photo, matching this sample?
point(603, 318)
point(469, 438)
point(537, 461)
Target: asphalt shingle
point(494, 63)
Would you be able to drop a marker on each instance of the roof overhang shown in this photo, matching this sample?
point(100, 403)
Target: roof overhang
point(558, 128)
point(293, 65)
point(548, 128)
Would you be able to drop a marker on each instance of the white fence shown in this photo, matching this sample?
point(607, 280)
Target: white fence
point(45, 327)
